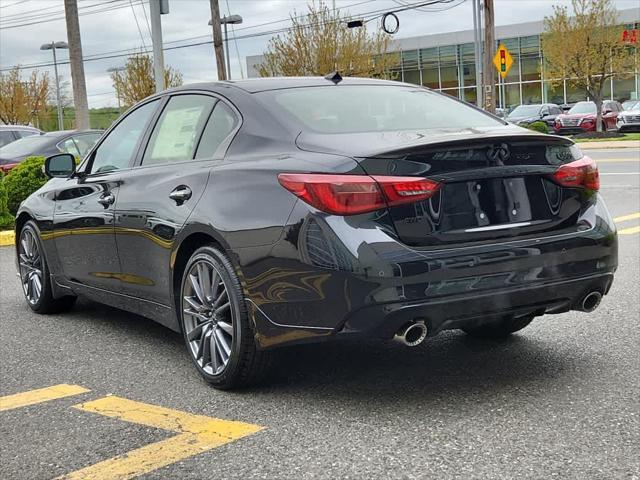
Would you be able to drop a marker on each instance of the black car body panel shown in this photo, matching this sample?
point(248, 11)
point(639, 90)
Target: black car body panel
point(309, 275)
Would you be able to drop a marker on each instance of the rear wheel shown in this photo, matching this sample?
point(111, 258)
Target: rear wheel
point(500, 328)
point(34, 274)
point(215, 323)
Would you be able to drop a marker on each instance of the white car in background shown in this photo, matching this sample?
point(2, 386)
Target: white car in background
point(629, 118)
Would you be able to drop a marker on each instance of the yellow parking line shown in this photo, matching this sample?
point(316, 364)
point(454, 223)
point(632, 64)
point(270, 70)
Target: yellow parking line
point(7, 237)
point(624, 218)
point(196, 434)
point(38, 396)
point(629, 231)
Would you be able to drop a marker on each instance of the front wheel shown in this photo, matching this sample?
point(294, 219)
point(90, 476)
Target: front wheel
point(34, 274)
point(499, 328)
point(215, 323)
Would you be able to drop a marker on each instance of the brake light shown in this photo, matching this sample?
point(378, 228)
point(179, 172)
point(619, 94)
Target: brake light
point(581, 173)
point(353, 194)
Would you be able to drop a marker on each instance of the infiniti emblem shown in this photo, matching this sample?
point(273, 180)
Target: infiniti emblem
point(498, 154)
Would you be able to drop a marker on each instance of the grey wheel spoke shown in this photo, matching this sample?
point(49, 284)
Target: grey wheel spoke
point(203, 339)
point(204, 280)
point(225, 348)
point(194, 304)
point(197, 289)
point(222, 308)
point(200, 316)
point(223, 296)
point(37, 284)
point(215, 285)
point(197, 331)
point(215, 356)
point(227, 327)
point(206, 351)
point(25, 248)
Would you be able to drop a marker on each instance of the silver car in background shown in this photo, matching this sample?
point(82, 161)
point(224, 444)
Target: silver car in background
point(629, 118)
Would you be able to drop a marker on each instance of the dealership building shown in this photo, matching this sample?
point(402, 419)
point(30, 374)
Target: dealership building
point(446, 62)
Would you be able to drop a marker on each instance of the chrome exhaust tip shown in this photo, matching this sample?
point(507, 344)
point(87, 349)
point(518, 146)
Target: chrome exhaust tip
point(412, 334)
point(590, 301)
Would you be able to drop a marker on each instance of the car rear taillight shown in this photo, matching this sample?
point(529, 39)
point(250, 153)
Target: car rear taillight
point(353, 194)
point(581, 173)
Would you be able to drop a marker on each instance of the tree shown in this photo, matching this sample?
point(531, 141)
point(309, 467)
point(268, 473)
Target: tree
point(136, 81)
point(22, 100)
point(320, 42)
point(586, 49)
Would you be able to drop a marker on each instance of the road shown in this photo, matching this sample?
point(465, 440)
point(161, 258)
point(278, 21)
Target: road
point(558, 400)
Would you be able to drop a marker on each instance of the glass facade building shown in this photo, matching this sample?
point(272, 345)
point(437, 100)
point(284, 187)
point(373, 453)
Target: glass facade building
point(451, 70)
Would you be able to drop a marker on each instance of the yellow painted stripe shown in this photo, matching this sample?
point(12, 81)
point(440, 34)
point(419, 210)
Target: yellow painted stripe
point(39, 396)
point(196, 434)
point(629, 231)
point(624, 218)
point(7, 237)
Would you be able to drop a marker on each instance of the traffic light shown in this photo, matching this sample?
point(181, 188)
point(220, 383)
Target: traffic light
point(503, 61)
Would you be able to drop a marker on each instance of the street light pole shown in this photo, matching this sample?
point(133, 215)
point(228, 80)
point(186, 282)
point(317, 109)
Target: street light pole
point(52, 46)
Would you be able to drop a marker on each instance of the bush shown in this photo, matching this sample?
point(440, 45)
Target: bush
point(6, 219)
point(538, 127)
point(23, 180)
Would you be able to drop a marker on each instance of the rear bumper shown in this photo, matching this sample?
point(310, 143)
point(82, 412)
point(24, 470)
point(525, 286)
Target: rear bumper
point(342, 276)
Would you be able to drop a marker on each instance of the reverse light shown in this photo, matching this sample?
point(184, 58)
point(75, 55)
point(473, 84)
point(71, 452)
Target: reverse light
point(580, 173)
point(354, 194)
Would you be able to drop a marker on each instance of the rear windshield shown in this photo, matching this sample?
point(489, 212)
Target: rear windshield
point(25, 146)
point(375, 108)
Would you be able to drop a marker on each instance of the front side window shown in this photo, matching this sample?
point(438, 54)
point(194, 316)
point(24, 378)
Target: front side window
point(221, 123)
point(118, 148)
point(176, 134)
point(374, 108)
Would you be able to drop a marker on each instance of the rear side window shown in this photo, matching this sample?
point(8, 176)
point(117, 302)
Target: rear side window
point(375, 108)
point(118, 148)
point(85, 141)
point(175, 136)
point(221, 123)
point(26, 133)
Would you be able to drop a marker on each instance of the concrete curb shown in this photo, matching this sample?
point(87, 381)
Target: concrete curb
point(608, 144)
point(7, 237)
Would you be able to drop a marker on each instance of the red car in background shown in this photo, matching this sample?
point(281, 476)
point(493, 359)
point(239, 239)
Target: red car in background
point(582, 118)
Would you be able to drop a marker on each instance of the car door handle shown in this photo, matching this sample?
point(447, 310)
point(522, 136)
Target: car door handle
point(180, 194)
point(106, 200)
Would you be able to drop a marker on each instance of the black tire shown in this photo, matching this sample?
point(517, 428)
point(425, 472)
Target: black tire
point(499, 328)
point(246, 364)
point(45, 303)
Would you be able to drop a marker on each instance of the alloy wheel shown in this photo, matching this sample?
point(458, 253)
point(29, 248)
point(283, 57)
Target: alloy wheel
point(208, 317)
point(30, 266)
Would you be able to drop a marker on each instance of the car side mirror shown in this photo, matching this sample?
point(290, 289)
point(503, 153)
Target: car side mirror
point(61, 165)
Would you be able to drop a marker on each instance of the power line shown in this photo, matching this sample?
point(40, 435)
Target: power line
point(135, 17)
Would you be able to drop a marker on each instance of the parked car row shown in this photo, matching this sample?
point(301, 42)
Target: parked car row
point(581, 117)
point(75, 142)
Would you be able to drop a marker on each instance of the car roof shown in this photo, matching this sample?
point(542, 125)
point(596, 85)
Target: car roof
point(64, 133)
point(19, 127)
point(254, 85)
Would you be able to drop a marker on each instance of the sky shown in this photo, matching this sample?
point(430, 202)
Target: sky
point(118, 25)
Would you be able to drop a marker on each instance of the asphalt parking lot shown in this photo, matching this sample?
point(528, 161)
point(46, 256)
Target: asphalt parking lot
point(559, 400)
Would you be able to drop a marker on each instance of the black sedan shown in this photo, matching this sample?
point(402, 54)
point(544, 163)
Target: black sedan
point(524, 115)
point(259, 213)
point(75, 142)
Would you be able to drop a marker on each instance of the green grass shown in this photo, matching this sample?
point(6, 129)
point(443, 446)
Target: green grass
point(627, 136)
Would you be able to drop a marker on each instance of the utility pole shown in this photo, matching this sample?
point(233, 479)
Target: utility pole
point(489, 51)
point(77, 65)
point(477, 43)
point(217, 39)
point(155, 10)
